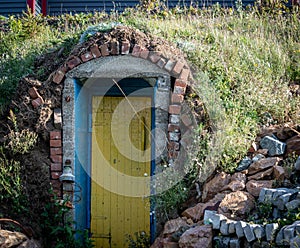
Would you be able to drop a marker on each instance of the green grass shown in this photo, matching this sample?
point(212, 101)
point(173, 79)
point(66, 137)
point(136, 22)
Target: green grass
point(247, 59)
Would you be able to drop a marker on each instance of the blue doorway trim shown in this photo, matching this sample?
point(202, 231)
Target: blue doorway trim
point(83, 125)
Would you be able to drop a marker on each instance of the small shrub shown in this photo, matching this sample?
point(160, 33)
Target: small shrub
point(11, 187)
point(58, 230)
point(20, 142)
point(140, 240)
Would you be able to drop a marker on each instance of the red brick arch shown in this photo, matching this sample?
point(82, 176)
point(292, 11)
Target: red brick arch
point(176, 68)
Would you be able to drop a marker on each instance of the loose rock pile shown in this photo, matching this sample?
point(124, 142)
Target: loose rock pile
point(16, 239)
point(227, 215)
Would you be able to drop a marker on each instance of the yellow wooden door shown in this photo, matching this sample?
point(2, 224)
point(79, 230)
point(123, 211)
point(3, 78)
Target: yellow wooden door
point(121, 167)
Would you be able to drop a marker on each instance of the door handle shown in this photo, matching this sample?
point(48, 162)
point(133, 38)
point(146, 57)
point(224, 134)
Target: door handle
point(144, 134)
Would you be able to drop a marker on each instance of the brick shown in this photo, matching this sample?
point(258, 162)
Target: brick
point(64, 68)
point(144, 53)
point(55, 151)
point(57, 118)
point(56, 158)
point(73, 62)
point(179, 90)
point(136, 50)
point(177, 68)
point(55, 175)
point(175, 109)
point(55, 135)
point(173, 146)
point(185, 73)
point(37, 102)
point(174, 136)
point(104, 50)
point(177, 98)
point(56, 167)
point(181, 83)
point(170, 65)
point(125, 47)
point(173, 128)
point(173, 154)
point(55, 143)
point(95, 51)
point(114, 48)
point(154, 57)
point(161, 63)
point(86, 56)
point(57, 193)
point(56, 184)
point(33, 93)
point(187, 121)
point(58, 77)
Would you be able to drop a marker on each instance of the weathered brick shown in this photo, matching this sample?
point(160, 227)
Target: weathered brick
point(179, 90)
point(55, 135)
point(154, 57)
point(57, 193)
point(114, 48)
point(125, 47)
point(186, 119)
point(175, 109)
point(185, 73)
point(56, 167)
point(57, 118)
point(144, 53)
point(173, 154)
point(161, 63)
point(33, 93)
point(86, 56)
point(170, 65)
point(136, 50)
point(56, 158)
point(173, 128)
point(173, 146)
point(55, 151)
point(55, 175)
point(58, 77)
point(177, 98)
point(177, 68)
point(37, 102)
point(55, 143)
point(104, 50)
point(181, 83)
point(63, 68)
point(73, 62)
point(56, 184)
point(95, 51)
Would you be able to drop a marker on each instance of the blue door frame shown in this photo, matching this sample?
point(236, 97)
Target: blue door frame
point(83, 124)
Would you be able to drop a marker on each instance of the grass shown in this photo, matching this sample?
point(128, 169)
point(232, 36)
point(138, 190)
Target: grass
point(247, 59)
